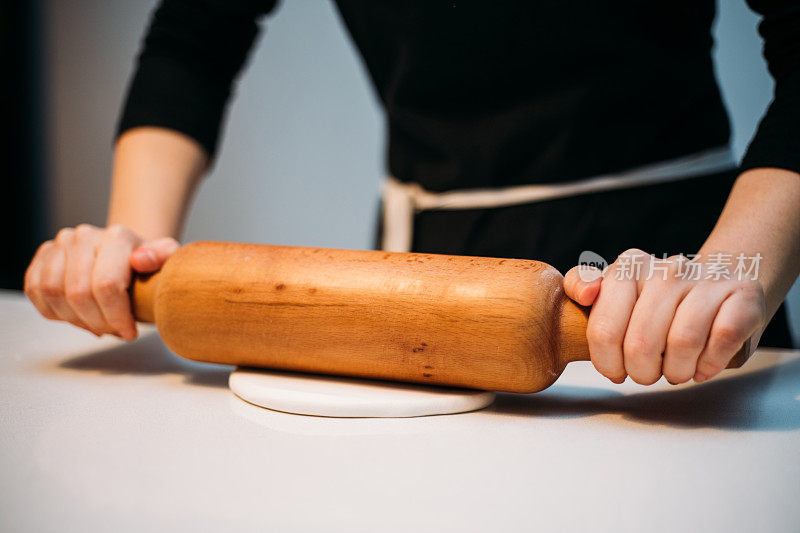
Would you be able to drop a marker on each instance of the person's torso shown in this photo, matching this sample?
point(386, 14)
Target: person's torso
point(488, 94)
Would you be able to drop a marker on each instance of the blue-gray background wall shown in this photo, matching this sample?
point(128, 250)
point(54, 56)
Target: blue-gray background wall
point(302, 155)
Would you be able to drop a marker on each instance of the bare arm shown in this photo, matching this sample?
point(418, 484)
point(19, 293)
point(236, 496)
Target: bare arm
point(762, 215)
point(156, 172)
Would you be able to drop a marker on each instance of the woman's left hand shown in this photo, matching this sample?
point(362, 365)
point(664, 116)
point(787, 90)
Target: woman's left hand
point(655, 320)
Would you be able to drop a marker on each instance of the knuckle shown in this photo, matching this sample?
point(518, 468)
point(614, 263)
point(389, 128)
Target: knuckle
point(727, 336)
point(674, 270)
point(706, 286)
point(44, 248)
point(171, 245)
point(77, 295)
point(30, 290)
point(48, 313)
point(26, 278)
point(627, 257)
point(117, 231)
point(634, 252)
point(753, 294)
point(637, 346)
point(600, 334)
point(173, 242)
point(51, 291)
point(34, 294)
point(106, 287)
point(28, 286)
point(85, 227)
point(64, 236)
point(683, 343)
point(751, 287)
point(84, 231)
point(756, 318)
point(709, 366)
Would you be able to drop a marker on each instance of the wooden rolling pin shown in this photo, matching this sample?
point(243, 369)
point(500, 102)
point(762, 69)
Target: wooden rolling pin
point(476, 322)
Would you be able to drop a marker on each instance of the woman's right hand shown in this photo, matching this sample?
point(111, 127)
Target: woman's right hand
point(82, 276)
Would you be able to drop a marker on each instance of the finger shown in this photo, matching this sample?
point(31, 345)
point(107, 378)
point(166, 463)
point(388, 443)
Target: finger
point(52, 287)
point(78, 278)
point(151, 255)
point(608, 321)
point(690, 329)
point(111, 277)
point(582, 284)
point(739, 317)
point(32, 283)
point(645, 338)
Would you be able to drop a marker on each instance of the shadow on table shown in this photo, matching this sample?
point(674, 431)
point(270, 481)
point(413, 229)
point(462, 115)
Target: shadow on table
point(768, 399)
point(148, 356)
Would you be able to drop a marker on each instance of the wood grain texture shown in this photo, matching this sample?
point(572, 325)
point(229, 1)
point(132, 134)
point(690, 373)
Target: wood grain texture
point(483, 323)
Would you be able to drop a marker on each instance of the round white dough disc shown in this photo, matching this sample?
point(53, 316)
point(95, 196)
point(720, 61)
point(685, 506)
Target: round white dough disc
point(307, 394)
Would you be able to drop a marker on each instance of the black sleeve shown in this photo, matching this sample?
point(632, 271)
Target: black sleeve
point(188, 61)
point(777, 139)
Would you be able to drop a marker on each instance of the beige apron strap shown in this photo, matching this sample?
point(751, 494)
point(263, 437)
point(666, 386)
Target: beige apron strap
point(398, 216)
point(401, 200)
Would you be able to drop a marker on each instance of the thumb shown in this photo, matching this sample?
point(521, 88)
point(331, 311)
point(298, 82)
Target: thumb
point(582, 284)
point(151, 255)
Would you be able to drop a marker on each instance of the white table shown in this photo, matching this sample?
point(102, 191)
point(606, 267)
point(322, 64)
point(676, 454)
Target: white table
point(102, 435)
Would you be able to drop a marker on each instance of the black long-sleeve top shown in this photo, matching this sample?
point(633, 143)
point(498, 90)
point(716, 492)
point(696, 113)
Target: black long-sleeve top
point(484, 94)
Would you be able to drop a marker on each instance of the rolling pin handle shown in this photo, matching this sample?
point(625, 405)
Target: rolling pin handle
point(143, 297)
point(742, 355)
point(572, 343)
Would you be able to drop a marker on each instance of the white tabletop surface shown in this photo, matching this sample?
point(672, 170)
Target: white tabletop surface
point(101, 435)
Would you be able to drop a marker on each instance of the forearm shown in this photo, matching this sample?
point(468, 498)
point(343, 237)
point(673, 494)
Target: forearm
point(156, 172)
point(762, 216)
